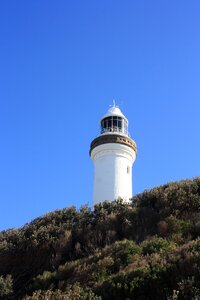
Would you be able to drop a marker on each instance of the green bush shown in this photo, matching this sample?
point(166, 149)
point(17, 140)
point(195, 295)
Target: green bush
point(73, 292)
point(123, 252)
point(155, 245)
point(6, 287)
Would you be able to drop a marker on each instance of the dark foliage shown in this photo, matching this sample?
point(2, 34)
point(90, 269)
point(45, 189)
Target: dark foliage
point(147, 250)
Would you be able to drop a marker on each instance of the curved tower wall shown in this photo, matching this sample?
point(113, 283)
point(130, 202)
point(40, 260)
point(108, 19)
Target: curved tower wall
point(112, 172)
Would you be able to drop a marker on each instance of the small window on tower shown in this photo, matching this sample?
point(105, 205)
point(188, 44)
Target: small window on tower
point(128, 170)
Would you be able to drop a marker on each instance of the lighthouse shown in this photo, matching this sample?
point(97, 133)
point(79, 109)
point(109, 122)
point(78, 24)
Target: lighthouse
point(113, 153)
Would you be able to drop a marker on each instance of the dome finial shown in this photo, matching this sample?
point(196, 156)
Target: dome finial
point(113, 104)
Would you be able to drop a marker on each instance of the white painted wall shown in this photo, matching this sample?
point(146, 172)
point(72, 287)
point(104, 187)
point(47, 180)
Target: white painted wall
point(111, 176)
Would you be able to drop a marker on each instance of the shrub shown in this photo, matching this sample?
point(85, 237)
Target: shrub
point(6, 287)
point(155, 245)
point(123, 253)
point(73, 292)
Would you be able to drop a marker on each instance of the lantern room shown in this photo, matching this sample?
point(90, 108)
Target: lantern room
point(114, 122)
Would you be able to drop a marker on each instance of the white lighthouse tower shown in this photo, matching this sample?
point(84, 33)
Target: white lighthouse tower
point(113, 153)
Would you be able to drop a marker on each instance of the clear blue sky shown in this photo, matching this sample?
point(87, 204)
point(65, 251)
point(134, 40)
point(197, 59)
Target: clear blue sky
point(61, 65)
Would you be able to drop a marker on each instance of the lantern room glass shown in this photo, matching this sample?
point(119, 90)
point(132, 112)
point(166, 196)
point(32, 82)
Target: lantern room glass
point(114, 124)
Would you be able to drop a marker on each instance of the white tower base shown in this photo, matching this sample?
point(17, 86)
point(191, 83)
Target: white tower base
point(112, 172)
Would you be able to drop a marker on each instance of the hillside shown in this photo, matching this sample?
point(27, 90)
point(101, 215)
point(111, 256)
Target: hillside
point(147, 250)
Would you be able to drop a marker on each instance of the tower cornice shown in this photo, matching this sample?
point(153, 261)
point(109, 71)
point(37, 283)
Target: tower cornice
point(113, 138)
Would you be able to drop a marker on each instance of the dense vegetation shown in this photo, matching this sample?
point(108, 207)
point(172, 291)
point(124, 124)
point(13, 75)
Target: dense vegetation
point(147, 250)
